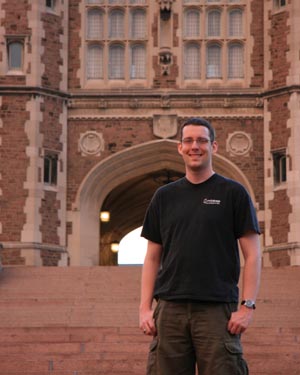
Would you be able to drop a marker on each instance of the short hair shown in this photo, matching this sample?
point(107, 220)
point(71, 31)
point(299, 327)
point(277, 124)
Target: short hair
point(199, 121)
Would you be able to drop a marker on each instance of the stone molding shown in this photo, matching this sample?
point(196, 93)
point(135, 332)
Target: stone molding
point(33, 245)
point(282, 247)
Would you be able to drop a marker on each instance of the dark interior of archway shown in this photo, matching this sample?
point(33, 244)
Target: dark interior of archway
point(127, 205)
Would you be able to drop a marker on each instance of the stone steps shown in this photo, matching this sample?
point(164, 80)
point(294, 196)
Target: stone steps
point(84, 321)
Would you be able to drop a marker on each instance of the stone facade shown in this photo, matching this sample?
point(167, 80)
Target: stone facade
point(115, 139)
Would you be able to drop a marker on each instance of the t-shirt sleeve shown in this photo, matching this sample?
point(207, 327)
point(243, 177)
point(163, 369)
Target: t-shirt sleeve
point(245, 218)
point(151, 225)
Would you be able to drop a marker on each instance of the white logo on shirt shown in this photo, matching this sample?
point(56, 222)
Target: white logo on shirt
point(211, 201)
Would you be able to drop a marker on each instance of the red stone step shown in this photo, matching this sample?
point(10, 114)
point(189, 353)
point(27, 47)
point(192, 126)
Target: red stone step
point(84, 321)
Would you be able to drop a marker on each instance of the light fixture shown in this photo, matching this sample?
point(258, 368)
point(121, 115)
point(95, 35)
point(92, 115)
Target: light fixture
point(114, 247)
point(105, 216)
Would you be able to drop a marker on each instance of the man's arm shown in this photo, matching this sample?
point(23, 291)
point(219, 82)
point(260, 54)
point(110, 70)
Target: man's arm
point(250, 246)
point(150, 269)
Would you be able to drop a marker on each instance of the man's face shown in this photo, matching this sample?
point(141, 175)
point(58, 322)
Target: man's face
point(196, 148)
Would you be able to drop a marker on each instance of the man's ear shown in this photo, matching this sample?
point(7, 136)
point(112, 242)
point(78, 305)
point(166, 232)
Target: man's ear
point(179, 148)
point(214, 147)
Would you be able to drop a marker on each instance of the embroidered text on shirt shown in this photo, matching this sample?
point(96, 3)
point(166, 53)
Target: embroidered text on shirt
point(211, 201)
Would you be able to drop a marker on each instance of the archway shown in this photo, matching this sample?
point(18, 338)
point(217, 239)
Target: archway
point(114, 172)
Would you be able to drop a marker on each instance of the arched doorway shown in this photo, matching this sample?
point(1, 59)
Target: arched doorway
point(127, 179)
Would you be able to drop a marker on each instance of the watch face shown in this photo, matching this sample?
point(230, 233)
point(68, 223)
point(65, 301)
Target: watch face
point(249, 303)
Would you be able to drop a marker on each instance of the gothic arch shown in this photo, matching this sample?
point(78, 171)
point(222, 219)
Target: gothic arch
point(83, 242)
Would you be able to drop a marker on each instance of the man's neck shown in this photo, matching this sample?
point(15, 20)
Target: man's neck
point(196, 177)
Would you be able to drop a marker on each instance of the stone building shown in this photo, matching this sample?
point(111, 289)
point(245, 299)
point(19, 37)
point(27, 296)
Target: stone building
point(92, 94)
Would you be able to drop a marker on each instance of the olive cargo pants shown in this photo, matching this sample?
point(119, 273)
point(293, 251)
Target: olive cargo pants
point(194, 334)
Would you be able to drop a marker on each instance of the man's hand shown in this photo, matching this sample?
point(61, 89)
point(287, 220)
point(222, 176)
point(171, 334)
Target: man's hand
point(147, 324)
point(240, 320)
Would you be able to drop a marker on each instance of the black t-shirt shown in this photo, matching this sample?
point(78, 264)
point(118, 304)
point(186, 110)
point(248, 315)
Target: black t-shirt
point(198, 226)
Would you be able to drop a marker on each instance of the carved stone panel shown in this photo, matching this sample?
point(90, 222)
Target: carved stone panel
point(239, 144)
point(91, 143)
point(165, 126)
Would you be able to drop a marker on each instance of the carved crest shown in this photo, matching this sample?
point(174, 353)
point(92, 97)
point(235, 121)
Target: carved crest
point(165, 126)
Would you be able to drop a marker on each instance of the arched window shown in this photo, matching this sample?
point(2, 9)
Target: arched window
point(235, 60)
point(138, 24)
point(235, 26)
point(138, 62)
point(94, 24)
point(214, 23)
point(279, 166)
point(50, 168)
point(94, 62)
point(116, 61)
point(116, 24)
point(191, 27)
point(15, 55)
point(213, 61)
point(191, 61)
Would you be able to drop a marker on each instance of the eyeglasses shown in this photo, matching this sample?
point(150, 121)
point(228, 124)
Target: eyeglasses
point(199, 141)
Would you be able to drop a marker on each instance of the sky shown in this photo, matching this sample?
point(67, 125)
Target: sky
point(132, 248)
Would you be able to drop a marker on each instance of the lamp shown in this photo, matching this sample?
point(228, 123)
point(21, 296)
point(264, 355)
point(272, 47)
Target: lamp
point(105, 216)
point(114, 247)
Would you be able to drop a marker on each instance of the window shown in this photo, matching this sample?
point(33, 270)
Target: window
point(50, 168)
point(95, 24)
point(223, 40)
point(50, 4)
point(15, 55)
point(235, 61)
point(213, 67)
point(138, 62)
point(116, 24)
point(138, 24)
point(279, 167)
point(116, 61)
point(192, 61)
point(95, 62)
point(214, 23)
point(116, 45)
point(191, 23)
point(279, 3)
point(116, 2)
point(235, 26)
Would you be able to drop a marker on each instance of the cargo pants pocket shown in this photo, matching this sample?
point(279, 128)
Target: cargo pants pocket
point(236, 363)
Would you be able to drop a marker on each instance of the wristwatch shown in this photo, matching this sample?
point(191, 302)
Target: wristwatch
point(249, 303)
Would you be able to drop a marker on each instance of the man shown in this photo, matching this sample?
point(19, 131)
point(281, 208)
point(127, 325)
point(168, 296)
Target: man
point(192, 266)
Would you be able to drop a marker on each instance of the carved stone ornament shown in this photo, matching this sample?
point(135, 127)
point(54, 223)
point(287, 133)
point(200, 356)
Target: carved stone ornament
point(91, 143)
point(165, 4)
point(165, 60)
point(165, 101)
point(239, 144)
point(165, 126)
point(165, 9)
